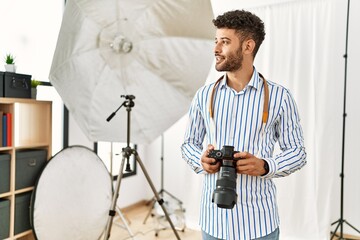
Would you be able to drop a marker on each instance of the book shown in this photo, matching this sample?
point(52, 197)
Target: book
point(1, 127)
point(9, 129)
point(4, 130)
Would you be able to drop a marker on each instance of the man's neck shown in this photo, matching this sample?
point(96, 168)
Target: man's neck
point(239, 79)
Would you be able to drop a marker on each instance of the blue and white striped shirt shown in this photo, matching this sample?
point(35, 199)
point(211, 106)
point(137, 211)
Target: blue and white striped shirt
point(238, 119)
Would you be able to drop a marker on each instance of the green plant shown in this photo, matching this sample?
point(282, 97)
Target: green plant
point(35, 83)
point(9, 59)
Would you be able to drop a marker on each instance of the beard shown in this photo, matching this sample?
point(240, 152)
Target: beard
point(232, 62)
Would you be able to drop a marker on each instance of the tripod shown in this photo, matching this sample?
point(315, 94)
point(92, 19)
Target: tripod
point(162, 190)
point(120, 214)
point(341, 221)
point(126, 153)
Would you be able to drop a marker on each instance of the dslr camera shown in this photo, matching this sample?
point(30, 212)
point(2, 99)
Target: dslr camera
point(224, 195)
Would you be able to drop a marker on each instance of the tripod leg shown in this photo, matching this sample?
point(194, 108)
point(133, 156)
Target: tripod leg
point(153, 202)
point(150, 210)
point(351, 226)
point(334, 233)
point(160, 201)
point(114, 199)
point(126, 225)
point(171, 195)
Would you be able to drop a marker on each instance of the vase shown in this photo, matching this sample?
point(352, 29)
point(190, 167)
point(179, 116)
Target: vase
point(10, 67)
point(33, 93)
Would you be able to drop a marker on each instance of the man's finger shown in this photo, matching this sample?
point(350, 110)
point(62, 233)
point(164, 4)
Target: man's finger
point(242, 155)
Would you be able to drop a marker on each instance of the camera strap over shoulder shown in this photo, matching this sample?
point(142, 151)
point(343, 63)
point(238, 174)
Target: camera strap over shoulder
point(266, 99)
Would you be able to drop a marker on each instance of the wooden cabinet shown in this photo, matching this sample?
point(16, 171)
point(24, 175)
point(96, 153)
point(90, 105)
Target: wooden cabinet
point(31, 129)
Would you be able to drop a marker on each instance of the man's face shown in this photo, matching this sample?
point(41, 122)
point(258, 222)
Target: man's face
point(228, 50)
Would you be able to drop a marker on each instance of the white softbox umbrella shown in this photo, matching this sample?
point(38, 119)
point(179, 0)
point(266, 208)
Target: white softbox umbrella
point(160, 51)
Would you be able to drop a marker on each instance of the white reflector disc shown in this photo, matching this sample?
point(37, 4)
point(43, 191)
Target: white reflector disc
point(72, 197)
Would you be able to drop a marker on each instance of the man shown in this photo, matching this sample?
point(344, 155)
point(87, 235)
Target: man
point(251, 114)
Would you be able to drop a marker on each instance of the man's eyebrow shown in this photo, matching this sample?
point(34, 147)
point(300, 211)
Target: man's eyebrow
point(223, 38)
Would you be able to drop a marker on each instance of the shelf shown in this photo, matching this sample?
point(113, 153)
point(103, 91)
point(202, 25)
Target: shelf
point(23, 190)
point(31, 129)
point(21, 100)
point(4, 195)
point(25, 146)
point(23, 234)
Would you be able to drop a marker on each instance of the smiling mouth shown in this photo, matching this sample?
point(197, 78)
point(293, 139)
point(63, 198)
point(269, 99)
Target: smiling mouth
point(218, 58)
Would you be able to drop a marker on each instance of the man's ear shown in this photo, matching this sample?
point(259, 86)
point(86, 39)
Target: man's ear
point(249, 46)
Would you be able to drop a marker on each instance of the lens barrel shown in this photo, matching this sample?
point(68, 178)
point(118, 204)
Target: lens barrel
point(225, 195)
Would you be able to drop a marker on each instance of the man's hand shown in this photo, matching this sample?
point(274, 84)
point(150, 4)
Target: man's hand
point(249, 164)
point(207, 163)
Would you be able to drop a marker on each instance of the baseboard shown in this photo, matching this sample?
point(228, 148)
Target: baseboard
point(134, 205)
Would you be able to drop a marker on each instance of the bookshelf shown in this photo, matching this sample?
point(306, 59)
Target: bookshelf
point(31, 130)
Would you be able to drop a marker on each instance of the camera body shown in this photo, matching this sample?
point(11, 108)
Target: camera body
point(224, 195)
point(226, 153)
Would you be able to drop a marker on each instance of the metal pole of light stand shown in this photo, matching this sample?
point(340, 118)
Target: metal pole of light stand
point(341, 221)
point(162, 189)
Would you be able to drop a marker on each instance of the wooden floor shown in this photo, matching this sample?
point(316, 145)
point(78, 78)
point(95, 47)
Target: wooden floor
point(145, 226)
point(139, 229)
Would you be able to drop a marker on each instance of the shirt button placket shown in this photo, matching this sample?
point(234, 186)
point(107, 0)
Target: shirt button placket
point(233, 117)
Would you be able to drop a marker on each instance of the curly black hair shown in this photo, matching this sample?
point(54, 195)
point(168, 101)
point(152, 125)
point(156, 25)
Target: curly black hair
point(246, 24)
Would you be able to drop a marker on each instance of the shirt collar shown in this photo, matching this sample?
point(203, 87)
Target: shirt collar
point(254, 81)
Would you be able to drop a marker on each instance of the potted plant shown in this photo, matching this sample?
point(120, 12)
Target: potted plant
point(34, 84)
point(10, 63)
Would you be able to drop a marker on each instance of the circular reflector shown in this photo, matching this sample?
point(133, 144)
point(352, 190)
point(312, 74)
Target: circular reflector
point(72, 197)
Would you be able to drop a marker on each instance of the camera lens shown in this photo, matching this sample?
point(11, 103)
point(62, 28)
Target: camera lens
point(224, 195)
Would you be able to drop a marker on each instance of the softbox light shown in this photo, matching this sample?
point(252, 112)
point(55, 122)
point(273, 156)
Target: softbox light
point(160, 51)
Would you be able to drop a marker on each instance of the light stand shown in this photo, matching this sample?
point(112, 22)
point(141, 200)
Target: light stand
point(341, 221)
point(126, 153)
point(162, 190)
